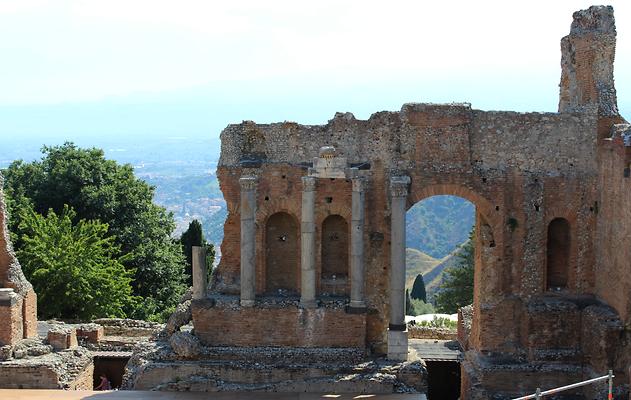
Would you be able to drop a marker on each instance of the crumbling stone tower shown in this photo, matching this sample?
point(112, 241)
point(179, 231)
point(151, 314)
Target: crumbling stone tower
point(314, 244)
point(18, 302)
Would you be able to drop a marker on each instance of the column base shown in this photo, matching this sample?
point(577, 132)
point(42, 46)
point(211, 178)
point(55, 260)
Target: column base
point(308, 304)
point(351, 309)
point(357, 304)
point(398, 345)
point(247, 303)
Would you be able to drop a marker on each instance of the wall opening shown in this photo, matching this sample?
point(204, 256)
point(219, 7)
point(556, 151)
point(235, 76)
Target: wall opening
point(334, 256)
point(282, 254)
point(437, 235)
point(558, 254)
point(443, 380)
point(112, 367)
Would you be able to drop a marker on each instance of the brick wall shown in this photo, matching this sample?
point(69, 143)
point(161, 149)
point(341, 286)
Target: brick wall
point(11, 327)
point(29, 377)
point(278, 326)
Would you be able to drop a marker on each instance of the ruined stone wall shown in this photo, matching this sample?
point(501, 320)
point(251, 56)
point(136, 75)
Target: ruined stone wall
point(613, 260)
point(225, 325)
point(11, 328)
point(11, 276)
point(521, 170)
point(528, 168)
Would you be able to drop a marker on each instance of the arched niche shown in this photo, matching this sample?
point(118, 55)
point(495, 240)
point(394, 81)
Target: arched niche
point(334, 255)
point(282, 254)
point(558, 253)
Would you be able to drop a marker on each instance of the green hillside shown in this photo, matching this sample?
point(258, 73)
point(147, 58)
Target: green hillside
point(438, 224)
point(417, 262)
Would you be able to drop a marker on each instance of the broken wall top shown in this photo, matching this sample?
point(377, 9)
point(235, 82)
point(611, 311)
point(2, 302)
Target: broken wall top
point(11, 275)
point(449, 136)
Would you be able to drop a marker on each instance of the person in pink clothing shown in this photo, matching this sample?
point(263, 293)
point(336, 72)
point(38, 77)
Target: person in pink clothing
point(105, 383)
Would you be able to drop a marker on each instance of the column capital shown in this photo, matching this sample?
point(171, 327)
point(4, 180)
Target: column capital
point(308, 183)
point(248, 182)
point(399, 186)
point(359, 183)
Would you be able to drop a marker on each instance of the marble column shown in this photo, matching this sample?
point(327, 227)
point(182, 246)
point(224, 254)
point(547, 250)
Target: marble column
point(248, 240)
point(307, 243)
point(357, 244)
point(397, 332)
point(200, 279)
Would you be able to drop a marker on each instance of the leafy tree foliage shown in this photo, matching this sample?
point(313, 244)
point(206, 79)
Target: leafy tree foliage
point(103, 190)
point(194, 236)
point(457, 288)
point(418, 289)
point(75, 269)
point(420, 307)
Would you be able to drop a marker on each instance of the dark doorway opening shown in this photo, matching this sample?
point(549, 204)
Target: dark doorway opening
point(112, 367)
point(443, 380)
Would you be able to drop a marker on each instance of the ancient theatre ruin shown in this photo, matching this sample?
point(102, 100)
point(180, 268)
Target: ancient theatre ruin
point(316, 214)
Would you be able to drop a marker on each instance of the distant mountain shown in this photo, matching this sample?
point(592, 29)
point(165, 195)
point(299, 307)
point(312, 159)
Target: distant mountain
point(417, 262)
point(438, 224)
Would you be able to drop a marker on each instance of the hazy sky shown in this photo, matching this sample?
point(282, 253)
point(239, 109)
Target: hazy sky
point(129, 66)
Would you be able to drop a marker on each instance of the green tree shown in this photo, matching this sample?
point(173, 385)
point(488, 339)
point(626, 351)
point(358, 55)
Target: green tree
point(194, 236)
point(456, 289)
point(101, 189)
point(418, 289)
point(420, 307)
point(76, 269)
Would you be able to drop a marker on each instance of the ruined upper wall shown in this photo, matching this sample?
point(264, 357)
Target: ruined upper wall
point(442, 137)
point(587, 59)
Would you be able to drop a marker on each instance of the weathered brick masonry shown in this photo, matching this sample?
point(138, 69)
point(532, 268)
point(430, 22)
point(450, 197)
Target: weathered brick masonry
point(553, 223)
point(18, 309)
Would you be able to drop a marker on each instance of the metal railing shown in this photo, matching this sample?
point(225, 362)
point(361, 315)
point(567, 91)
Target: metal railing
point(539, 394)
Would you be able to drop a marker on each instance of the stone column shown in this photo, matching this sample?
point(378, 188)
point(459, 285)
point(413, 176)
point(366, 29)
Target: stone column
point(357, 244)
point(307, 243)
point(248, 240)
point(199, 272)
point(397, 332)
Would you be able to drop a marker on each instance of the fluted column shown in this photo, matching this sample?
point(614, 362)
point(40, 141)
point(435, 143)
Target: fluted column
point(397, 332)
point(357, 244)
point(248, 240)
point(307, 243)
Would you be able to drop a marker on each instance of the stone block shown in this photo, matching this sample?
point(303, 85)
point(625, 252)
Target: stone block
point(11, 328)
point(93, 333)
point(398, 345)
point(62, 338)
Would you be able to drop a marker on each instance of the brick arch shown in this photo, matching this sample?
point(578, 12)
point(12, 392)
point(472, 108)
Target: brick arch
point(491, 216)
point(343, 210)
point(573, 274)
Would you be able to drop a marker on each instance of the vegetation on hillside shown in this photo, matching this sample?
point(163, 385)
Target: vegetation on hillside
point(456, 290)
point(439, 224)
point(106, 192)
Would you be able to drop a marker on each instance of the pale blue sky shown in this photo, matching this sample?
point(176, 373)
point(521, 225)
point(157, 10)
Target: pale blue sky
point(191, 67)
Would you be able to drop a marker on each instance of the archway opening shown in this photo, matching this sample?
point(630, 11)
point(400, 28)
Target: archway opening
point(558, 254)
point(282, 254)
point(334, 256)
point(439, 241)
